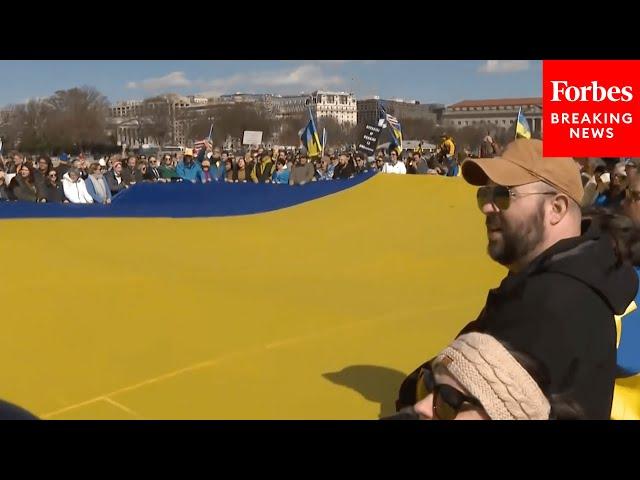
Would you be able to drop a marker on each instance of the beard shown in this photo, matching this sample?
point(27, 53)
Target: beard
point(511, 241)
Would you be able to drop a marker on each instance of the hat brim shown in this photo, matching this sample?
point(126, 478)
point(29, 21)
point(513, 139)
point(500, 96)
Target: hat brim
point(500, 171)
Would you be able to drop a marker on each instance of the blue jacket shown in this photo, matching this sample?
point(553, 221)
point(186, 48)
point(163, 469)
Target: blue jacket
point(217, 172)
point(281, 176)
point(92, 191)
point(190, 174)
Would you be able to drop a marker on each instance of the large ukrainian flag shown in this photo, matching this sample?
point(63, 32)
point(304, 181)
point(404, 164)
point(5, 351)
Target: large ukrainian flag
point(522, 126)
point(189, 301)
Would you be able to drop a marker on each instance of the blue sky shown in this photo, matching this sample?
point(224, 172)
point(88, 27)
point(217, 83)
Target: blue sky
point(425, 80)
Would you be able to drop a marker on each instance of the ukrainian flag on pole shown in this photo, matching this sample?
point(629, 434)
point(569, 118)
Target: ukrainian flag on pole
point(522, 126)
point(395, 129)
point(310, 139)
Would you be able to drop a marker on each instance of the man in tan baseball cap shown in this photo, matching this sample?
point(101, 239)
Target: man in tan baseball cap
point(530, 201)
point(564, 286)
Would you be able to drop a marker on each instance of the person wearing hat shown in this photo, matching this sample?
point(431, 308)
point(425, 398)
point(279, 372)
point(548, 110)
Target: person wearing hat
point(63, 165)
point(477, 377)
point(564, 283)
point(189, 170)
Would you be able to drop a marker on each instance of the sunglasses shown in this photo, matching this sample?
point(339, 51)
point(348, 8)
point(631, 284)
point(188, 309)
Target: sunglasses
point(447, 400)
point(501, 196)
point(632, 195)
point(52, 175)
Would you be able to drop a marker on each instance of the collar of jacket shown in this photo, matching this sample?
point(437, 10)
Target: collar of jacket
point(568, 246)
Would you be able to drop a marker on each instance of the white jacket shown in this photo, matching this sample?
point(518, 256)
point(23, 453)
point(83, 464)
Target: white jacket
point(397, 168)
point(76, 192)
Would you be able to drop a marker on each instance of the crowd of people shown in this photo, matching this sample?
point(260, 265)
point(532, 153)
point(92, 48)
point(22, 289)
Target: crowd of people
point(546, 345)
point(78, 180)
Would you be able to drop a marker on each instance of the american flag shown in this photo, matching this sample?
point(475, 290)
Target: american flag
point(393, 121)
point(197, 146)
point(200, 144)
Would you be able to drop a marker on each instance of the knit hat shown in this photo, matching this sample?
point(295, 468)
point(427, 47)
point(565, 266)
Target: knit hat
point(492, 375)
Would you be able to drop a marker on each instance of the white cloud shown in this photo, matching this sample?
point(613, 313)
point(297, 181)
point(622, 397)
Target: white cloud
point(307, 77)
point(171, 80)
point(219, 86)
point(504, 66)
point(310, 76)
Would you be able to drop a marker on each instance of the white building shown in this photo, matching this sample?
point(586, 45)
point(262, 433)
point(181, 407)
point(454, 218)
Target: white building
point(340, 105)
point(126, 109)
point(500, 112)
point(127, 117)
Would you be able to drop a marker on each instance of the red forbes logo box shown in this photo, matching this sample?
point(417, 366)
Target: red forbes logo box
point(591, 108)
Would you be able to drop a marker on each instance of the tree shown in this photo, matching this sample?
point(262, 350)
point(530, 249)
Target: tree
point(200, 126)
point(338, 134)
point(417, 128)
point(77, 118)
point(155, 119)
point(34, 117)
point(235, 119)
point(289, 129)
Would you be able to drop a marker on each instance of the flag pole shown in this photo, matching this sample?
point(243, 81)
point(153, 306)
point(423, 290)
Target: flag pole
point(517, 120)
point(324, 140)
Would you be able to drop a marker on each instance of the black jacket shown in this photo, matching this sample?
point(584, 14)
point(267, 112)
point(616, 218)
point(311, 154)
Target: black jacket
point(344, 171)
point(39, 178)
point(4, 194)
point(151, 175)
point(51, 193)
point(264, 171)
point(21, 190)
point(113, 183)
point(131, 175)
point(560, 311)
